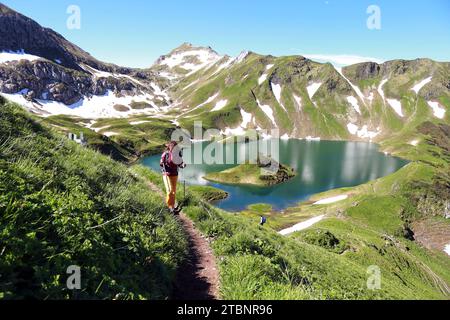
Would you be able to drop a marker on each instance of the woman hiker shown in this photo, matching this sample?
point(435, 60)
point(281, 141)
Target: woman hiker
point(171, 160)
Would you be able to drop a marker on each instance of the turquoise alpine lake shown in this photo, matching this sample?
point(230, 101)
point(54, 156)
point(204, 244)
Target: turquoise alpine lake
point(320, 166)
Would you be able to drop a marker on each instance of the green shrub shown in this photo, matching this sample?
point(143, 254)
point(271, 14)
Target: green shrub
point(324, 239)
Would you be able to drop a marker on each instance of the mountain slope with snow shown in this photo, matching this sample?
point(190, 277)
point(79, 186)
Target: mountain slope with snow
point(50, 75)
point(299, 97)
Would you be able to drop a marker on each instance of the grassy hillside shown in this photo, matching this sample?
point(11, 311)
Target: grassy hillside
point(63, 205)
point(124, 139)
point(329, 260)
point(277, 92)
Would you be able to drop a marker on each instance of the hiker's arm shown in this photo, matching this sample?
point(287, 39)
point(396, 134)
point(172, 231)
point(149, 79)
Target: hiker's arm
point(161, 162)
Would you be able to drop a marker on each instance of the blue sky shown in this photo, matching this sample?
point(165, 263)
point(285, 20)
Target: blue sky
point(135, 32)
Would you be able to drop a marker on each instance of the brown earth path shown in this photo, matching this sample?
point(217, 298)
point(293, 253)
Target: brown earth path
point(198, 277)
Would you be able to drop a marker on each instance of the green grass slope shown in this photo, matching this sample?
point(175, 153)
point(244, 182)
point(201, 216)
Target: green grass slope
point(62, 205)
point(245, 85)
point(130, 139)
point(329, 260)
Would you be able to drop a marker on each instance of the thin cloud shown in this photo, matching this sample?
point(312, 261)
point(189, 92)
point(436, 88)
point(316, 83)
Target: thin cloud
point(342, 59)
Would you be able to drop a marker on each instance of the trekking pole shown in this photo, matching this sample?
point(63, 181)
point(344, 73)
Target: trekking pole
point(184, 191)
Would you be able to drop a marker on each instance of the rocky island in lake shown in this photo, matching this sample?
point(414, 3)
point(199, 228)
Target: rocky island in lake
point(266, 172)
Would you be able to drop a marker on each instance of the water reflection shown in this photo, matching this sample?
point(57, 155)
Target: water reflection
point(320, 166)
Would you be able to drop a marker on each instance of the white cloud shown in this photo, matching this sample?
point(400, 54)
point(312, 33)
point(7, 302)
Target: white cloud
point(342, 59)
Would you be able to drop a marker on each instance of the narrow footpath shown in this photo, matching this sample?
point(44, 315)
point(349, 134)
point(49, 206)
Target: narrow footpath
point(198, 277)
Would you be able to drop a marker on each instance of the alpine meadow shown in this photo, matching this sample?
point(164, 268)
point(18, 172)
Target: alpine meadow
point(347, 196)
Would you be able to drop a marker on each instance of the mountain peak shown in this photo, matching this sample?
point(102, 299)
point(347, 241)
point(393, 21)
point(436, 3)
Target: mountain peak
point(187, 46)
point(20, 33)
point(186, 59)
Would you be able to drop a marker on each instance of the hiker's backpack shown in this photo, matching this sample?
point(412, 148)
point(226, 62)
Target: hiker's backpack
point(166, 161)
point(167, 164)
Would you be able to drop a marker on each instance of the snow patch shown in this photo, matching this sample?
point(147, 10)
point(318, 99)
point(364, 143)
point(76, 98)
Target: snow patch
point(110, 134)
point(262, 79)
point(220, 105)
point(362, 133)
point(276, 89)
point(135, 123)
point(239, 131)
point(437, 110)
point(104, 74)
point(100, 128)
point(310, 138)
point(354, 102)
point(205, 58)
point(246, 119)
point(414, 143)
point(352, 128)
point(312, 89)
point(7, 56)
point(242, 56)
point(191, 84)
point(223, 66)
point(269, 66)
point(167, 75)
point(95, 72)
point(380, 88)
point(331, 200)
point(356, 88)
point(302, 225)
point(209, 100)
point(159, 92)
point(19, 99)
point(298, 100)
point(265, 135)
point(421, 84)
point(93, 107)
point(90, 124)
point(268, 111)
point(285, 137)
point(396, 105)
point(447, 249)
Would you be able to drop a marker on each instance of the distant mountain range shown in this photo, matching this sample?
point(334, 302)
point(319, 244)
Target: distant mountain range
point(302, 98)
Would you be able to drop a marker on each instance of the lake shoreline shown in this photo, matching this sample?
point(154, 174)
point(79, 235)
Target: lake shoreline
point(321, 166)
